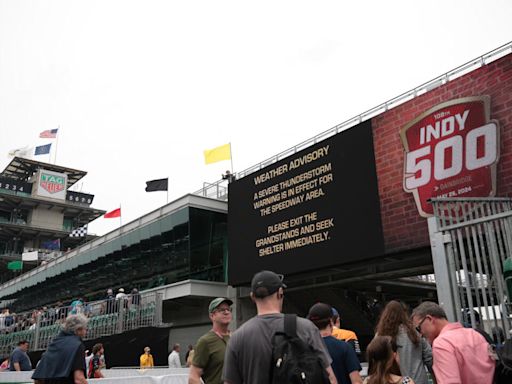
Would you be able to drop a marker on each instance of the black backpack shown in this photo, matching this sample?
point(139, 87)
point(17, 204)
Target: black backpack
point(503, 372)
point(503, 357)
point(293, 360)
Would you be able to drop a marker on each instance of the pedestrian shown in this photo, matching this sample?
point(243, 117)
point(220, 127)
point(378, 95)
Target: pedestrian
point(19, 360)
point(146, 359)
point(383, 363)
point(208, 359)
point(414, 351)
point(250, 350)
point(77, 306)
point(345, 363)
point(64, 360)
point(174, 357)
point(461, 355)
point(344, 334)
point(110, 302)
point(88, 357)
point(135, 297)
point(94, 371)
point(189, 355)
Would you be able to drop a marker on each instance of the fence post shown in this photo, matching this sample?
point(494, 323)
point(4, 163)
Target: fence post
point(120, 319)
point(36, 336)
point(159, 302)
point(442, 270)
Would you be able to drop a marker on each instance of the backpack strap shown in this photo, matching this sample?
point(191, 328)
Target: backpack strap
point(290, 325)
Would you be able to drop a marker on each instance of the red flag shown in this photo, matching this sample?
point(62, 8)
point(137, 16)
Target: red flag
point(112, 214)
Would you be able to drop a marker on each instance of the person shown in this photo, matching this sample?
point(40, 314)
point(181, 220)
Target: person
point(110, 302)
point(384, 362)
point(249, 352)
point(64, 360)
point(414, 351)
point(120, 294)
point(208, 359)
point(121, 299)
point(19, 360)
point(174, 357)
point(88, 357)
point(345, 363)
point(5, 364)
point(135, 297)
point(461, 355)
point(94, 371)
point(76, 306)
point(344, 334)
point(189, 355)
point(146, 359)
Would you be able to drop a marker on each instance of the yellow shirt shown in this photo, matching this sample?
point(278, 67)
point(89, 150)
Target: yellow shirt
point(146, 361)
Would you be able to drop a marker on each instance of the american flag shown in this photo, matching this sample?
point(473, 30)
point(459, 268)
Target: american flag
point(49, 134)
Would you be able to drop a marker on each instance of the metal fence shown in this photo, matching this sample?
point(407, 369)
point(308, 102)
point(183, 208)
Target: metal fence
point(477, 239)
point(106, 317)
point(218, 189)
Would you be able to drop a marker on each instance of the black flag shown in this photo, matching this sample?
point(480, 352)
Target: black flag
point(157, 185)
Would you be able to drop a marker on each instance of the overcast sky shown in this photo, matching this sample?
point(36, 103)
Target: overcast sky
point(141, 88)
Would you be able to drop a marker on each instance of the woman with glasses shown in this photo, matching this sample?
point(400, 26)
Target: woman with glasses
point(414, 351)
point(384, 363)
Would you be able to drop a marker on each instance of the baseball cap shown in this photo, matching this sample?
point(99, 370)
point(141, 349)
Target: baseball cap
point(218, 301)
point(335, 312)
point(265, 283)
point(320, 311)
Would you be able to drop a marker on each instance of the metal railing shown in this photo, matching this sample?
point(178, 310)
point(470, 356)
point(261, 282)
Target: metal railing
point(209, 189)
point(478, 239)
point(106, 317)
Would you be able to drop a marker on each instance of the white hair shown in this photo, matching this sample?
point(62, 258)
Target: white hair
point(75, 322)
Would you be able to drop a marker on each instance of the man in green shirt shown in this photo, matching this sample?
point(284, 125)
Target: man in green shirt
point(208, 360)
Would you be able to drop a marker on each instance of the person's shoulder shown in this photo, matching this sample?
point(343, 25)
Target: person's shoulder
point(206, 338)
point(305, 323)
point(338, 344)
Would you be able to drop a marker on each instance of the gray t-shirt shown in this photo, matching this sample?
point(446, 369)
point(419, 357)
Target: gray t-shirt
point(249, 351)
point(21, 357)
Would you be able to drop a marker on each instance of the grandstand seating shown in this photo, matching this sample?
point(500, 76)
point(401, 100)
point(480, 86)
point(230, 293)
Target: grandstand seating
point(127, 316)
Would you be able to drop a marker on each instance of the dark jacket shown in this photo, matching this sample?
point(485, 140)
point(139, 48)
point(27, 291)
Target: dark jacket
point(57, 361)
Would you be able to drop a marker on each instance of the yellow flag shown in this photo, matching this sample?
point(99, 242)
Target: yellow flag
point(217, 154)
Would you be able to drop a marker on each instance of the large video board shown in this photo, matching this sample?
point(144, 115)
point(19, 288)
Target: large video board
point(314, 209)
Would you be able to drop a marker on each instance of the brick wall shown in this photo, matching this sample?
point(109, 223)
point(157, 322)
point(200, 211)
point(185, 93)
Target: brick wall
point(403, 227)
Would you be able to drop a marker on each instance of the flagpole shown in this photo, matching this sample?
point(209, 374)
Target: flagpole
point(167, 189)
point(231, 156)
point(56, 145)
point(120, 216)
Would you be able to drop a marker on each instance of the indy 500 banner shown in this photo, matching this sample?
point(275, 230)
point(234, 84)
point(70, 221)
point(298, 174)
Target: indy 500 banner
point(451, 150)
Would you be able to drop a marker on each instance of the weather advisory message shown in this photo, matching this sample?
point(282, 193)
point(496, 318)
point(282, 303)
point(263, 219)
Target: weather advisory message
point(305, 212)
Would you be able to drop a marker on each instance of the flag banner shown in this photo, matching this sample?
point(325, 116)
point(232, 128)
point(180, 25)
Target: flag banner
point(21, 152)
point(15, 265)
point(30, 256)
point(42, 149)
point(217, 154)
point(53, 245)
point(157, 185)
point(112, 214)
point(49, 134)
point(79, 232)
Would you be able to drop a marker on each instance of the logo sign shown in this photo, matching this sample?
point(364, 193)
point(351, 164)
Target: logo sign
point(52, 184)
point(451, 150)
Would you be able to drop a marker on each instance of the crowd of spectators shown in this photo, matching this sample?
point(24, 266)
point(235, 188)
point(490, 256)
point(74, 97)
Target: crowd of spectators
point(49, 315)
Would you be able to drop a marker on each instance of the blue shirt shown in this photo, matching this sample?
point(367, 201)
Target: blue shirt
point(21, 357)
point(344, 359)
